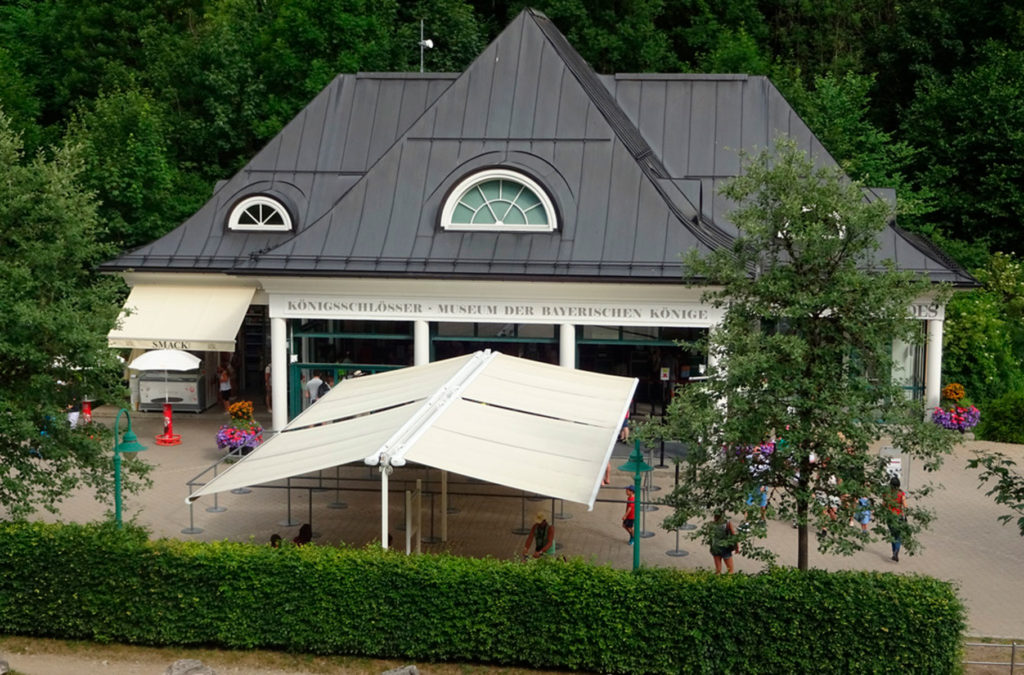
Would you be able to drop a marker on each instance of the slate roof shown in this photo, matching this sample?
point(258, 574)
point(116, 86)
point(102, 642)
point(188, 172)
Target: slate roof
point(633, 163)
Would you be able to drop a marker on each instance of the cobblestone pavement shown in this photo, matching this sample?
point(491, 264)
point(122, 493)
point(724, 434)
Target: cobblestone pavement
point(966, 544)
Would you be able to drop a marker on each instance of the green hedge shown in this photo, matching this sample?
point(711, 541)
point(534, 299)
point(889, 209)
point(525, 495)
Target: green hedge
point(98, 583)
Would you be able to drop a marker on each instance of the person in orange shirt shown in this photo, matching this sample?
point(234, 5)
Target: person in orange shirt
point(897, 504)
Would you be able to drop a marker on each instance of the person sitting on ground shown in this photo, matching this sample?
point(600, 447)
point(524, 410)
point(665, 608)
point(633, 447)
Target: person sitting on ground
point(543, 535)
point(275, 540)
point(304, 536)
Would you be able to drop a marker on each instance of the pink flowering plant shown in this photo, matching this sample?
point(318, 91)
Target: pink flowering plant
point(243, 433)
point(955, 412)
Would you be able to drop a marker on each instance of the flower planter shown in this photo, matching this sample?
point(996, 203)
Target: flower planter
point(243, 434)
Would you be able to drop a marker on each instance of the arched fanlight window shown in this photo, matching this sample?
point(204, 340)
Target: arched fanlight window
point(260, 214)
point(499, 200)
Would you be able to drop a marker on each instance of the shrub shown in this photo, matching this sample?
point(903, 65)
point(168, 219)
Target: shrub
point(101, 583)
point(1004, 419)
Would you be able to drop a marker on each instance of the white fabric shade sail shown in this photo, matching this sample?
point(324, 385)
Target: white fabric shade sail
point(509, 421)
point(201, 318)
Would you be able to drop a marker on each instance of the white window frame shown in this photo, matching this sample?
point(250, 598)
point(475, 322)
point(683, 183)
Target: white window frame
point(259, 200)
point(470, 182)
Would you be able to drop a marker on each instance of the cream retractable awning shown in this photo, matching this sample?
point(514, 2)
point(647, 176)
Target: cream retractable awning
point(509, 421)
point(199, 318)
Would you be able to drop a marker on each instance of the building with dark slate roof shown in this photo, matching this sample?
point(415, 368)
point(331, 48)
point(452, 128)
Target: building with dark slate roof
point(527, 204)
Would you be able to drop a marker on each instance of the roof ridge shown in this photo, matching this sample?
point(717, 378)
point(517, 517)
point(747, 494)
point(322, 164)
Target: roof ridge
point(625, 130)
point(603, 99)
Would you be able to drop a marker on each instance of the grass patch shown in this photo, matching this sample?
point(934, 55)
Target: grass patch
point(156, 659)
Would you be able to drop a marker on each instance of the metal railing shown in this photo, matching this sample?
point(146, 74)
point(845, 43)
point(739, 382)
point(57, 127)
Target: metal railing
point(977, 646)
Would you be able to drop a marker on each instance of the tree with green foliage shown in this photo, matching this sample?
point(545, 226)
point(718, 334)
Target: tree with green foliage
point(983, 339)
point(970, 132)
point(802, 357)
point(53, 352)
point(1008, 483)
point(123, 142)
point(613, 36)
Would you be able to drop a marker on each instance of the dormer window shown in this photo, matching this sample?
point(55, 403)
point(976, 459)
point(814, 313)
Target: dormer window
point(498, 200)
point(260, 214)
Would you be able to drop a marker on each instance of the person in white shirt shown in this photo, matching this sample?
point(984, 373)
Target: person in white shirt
point(313, 386)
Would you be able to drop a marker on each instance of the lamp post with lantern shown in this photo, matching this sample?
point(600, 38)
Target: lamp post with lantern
point(638, 467)
point(130, 443)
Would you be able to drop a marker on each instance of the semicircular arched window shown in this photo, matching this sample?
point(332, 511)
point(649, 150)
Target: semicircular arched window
point(499, 200)
point(260, 214)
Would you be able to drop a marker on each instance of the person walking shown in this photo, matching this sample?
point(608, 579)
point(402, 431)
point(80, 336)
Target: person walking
point(224, 387)
point(897, 504)
point(630, 516)
point(313, 387)
point(722, 545)
point(542, 535)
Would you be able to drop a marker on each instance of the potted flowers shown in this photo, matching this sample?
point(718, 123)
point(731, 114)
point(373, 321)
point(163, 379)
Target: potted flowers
point(243, 433)
point(955, 411)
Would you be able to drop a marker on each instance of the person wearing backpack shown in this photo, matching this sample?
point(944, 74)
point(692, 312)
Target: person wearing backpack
point(722, 546)
point(324, 387)
point(897, 504)
point(313, 387)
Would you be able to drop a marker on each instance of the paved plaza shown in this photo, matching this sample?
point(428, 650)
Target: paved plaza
point(967, 544)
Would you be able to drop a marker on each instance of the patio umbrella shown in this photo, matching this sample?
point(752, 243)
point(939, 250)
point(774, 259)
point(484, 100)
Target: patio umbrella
point(165, 360)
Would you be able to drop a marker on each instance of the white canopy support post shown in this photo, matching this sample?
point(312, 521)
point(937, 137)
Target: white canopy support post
point(385, 471)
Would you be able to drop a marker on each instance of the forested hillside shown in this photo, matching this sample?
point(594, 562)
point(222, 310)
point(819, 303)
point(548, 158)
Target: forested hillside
point(165, 97)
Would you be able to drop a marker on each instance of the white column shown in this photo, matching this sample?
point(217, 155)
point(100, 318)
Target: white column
point(420, 343)
point(567, 345)
point(279, 372)
point(933, 364)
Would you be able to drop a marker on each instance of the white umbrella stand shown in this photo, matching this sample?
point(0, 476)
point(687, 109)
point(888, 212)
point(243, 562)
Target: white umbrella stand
point(166, 360)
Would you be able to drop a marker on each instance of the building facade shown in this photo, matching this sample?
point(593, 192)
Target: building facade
point(527, 204)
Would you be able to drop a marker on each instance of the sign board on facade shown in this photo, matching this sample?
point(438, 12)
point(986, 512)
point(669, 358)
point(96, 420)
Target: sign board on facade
point(492, 311)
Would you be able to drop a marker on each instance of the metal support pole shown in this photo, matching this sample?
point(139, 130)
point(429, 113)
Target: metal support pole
point(557, 547)
point(522, 529)
point(661, 462)
point(649, 479)
point(431, 539)
point(337, 503)
point(677, 552)
point(684, 526)
point(216, 508)
point(310, 521)
point(288, 522)
point(642, 530)
point(191, 529)
point(562, 515)
point(320, 486)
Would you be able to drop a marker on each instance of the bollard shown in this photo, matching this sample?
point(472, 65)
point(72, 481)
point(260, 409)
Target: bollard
point(168, 437)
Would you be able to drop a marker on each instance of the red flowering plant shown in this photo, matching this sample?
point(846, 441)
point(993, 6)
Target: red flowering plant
point(243, 433)
point(955, 412)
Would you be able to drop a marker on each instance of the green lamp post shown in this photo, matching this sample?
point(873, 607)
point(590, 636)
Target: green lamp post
point(130, 443)
point(637, 466)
